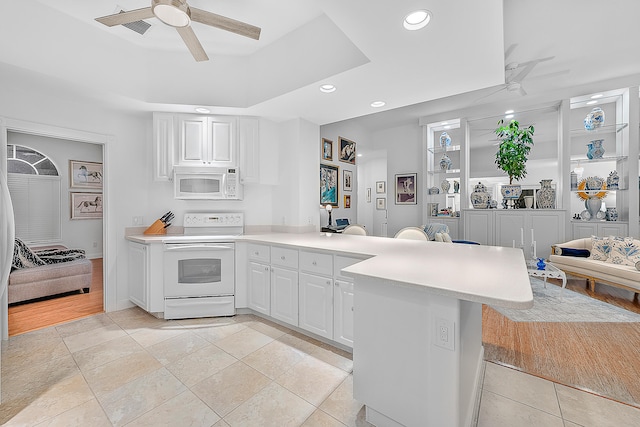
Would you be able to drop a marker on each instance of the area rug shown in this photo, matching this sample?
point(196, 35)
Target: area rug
point(573, 307)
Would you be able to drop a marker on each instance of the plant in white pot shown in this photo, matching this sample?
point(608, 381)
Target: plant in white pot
point(512, 155)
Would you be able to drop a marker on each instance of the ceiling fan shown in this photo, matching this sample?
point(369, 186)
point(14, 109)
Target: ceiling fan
point(178, 14)
point(515, 72)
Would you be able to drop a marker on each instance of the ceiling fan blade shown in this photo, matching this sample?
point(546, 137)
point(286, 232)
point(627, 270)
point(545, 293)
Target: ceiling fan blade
point(525, 71)
point(490, 94)
point(224, 23)
point(510, 50)
point(522, 92)
point(126, 17)
point(192, 42)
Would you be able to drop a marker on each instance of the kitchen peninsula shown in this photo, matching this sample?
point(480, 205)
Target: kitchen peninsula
point(411, 310)
point(417, 346)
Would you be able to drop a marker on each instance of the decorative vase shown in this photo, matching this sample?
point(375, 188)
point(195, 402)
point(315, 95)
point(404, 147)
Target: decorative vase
point(445, 140)
point(541, 264)
point(595, 149)
point(613, 180)
point(480, 198)
point(434, 190)
point(593, 205)
point(445, 186)
point(511, 191)
point(546, 195)
point(594, 119)
point(612, 214)
point(528, 202)
point(445, 162)
point(456, 186)
point(594, 183)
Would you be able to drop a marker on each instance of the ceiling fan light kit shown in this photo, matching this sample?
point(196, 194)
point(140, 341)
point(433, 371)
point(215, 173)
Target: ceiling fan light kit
point(178, 14)
point(172, 12)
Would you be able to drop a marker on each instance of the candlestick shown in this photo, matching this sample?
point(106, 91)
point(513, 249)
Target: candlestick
point(532, 239)
point(534, 250)
point(514, 243)
point(522, 237)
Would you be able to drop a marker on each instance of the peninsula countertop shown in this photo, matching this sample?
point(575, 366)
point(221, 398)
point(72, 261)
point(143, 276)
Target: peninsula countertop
point(485, 274)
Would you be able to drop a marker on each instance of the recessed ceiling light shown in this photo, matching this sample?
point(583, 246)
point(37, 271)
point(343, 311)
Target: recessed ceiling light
point(592, 102)
point(509, 116)
point(203, 110)
point(378, 104)
point(327, 88)
point(509, 112)
point(596, 96)
point(417, 19)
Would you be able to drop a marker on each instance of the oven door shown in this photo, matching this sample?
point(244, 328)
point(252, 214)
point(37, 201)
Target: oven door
point(199, 269)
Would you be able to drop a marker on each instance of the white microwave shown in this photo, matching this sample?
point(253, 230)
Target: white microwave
point(206, 183)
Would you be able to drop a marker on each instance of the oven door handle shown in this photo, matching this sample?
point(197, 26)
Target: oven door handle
point(172, 247)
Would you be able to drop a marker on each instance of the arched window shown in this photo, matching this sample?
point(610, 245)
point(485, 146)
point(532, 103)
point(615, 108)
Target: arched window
point(34, 185)
point(28, 161)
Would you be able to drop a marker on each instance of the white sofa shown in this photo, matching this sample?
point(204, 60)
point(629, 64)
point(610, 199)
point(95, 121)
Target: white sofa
point(621, 276)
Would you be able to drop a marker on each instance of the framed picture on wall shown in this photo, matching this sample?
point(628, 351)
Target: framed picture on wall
point(85, 174)
point(381, 187)
point(347, 201)
point(347, 151)
point(86, 205)
point(328, 185)
point(347, 179)
point(381, 203)
point(406, 189)
point(327, 149)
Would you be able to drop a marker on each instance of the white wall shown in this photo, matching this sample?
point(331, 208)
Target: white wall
point(77, 234)
point(296, 198)
point(372, 169)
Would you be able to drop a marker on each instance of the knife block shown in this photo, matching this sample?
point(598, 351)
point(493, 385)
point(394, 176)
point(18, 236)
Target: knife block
point(156, 228)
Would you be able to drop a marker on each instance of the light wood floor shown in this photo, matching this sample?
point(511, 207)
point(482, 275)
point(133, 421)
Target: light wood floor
point(603, 358)
point(48, 312)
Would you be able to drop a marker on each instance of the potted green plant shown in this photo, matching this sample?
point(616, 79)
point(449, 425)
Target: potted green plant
point(516, 142)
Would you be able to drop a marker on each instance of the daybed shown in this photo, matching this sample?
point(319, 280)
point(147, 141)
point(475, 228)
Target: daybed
point(46, 272)
point(613, 261)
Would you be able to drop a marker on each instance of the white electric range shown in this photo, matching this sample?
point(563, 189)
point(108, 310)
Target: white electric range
point(199, 266)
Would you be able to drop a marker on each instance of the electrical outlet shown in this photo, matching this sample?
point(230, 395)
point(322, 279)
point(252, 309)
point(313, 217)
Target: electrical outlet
point(138, 220)
point(445, 334)
point(95, 244)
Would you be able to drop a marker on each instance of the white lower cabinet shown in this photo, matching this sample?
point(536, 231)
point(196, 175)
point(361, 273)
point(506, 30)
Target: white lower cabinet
point(284, 295)
point(259, 295)
point(343, 312)
point(581, 229)
point(302, 288)
point(316, 304)
point(139, 275)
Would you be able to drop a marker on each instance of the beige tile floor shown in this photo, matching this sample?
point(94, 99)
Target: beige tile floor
point(129, 369)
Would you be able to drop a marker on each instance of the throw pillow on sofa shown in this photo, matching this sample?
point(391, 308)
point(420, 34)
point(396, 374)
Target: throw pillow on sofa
point(581, 253)
point(600, 248)
point(624, 252)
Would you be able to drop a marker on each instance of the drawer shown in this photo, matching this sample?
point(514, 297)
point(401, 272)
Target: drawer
point(340, 262)
point(284, 257)
point(316, 262)
point(259, 252)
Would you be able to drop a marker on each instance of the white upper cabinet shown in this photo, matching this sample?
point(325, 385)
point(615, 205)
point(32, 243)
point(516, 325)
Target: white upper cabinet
point(164, 137)
point(207, 141)
point(249, 142)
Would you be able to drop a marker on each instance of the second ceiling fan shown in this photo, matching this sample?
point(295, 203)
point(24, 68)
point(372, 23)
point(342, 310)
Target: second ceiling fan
point(179, 14)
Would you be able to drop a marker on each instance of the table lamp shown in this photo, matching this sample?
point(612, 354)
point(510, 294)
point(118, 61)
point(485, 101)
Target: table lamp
point(329, 208)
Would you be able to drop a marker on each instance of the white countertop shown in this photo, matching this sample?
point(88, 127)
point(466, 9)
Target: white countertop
point(485, 274)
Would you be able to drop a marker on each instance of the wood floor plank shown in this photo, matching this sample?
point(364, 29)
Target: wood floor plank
point(600, 357)
point(54, 311)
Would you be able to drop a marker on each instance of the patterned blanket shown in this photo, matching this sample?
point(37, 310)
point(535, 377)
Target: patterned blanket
point(24, 257)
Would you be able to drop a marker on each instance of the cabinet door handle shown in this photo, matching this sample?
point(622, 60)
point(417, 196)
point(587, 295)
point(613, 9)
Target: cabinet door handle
point(329, 282)
point(282, 257)
point(314, 263)
point(256, 253)
point(266, 269)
